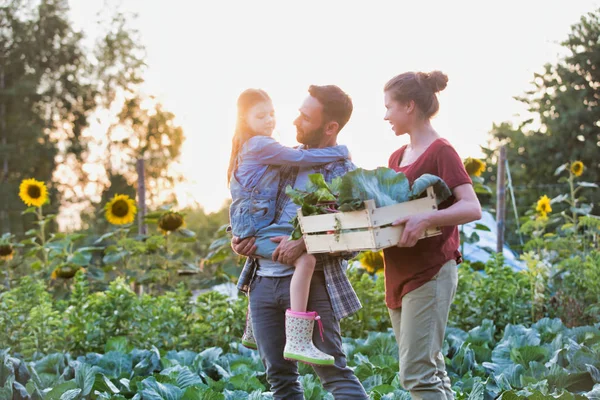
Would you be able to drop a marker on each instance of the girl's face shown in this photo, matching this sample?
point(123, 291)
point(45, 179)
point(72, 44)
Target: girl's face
point(261, 119)
point(399, 115)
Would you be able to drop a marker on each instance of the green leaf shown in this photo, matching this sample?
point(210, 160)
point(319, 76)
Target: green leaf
point(145, 361)
point(71, 394)
point(187, 378)
point(335, 185)
point(30, 210)
point(584, 209)
point(594, 372)
point(481, 227)
point(103, 384)
point(478, 392)
point(7, 370)
point(57, 391)
point(245, 383)
point(316, 181)
point(587, 184)
point(560, 198)
point(561, 169)
point(116, 364)
point(113, 258)
point(52, 364)
point(80, 258)
point(526, 354)
point(186, 233)
point(482, 189)
point(117, 344)
point(85, 376)
point(420, 185)
point(153, 390)
point(204, 393)
point(594, 393)
point(383, 185)
point(105, 236)
point(383, 389)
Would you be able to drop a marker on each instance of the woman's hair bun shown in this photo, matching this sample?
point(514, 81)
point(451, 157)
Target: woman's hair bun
point(436, 81)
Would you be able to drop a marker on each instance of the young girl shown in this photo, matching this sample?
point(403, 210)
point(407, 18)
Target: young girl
point(254, 183)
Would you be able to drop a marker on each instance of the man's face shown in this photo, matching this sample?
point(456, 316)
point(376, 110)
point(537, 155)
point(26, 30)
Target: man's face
point(310, 126)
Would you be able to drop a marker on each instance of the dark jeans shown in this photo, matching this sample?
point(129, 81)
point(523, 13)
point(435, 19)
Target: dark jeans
point(269, 298)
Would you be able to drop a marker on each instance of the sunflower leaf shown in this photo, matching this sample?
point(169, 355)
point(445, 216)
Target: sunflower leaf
point(186, 233)
point(29, 210)
point(561, 169)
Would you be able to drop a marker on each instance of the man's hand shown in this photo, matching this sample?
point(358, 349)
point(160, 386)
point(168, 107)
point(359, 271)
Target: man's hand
point(243, 247)
point(414, 227)
point(288, 251)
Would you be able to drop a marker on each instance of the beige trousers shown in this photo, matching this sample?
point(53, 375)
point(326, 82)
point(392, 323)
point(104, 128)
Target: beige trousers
point(419, 327)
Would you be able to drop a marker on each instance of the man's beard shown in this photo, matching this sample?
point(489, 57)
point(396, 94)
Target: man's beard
point(312, 138)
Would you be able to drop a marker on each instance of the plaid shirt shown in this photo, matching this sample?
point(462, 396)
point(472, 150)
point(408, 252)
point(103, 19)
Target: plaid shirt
point(344, 300)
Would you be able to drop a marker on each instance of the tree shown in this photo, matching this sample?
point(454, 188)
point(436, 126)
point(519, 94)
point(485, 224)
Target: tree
point(50, 85)
point(149, 133)
point(564, 101)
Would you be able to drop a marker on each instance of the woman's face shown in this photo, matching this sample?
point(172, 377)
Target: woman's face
point(399, 115)
point(261, 119)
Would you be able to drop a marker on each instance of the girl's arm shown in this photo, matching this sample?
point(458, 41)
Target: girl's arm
point(270, 152)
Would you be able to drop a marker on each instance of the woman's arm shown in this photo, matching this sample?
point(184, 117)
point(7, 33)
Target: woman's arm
point(465, 209)
point(271, 152)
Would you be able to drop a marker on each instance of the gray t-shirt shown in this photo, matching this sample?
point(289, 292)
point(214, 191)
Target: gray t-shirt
point(283, 227)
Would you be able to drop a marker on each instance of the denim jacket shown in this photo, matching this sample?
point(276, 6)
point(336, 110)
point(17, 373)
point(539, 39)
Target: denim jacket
point(254, 185)
point(253, 208)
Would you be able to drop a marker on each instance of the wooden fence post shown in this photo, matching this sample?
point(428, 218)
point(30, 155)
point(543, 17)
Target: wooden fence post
point(141, 192)
point(501, 200)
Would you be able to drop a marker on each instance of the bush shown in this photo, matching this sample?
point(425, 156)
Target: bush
point(497, 293)
point(32, 323)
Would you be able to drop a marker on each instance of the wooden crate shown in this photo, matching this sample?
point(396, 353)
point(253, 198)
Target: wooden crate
point(365, 229)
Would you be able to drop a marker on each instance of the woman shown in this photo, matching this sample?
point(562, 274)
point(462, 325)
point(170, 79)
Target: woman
point(421, 275)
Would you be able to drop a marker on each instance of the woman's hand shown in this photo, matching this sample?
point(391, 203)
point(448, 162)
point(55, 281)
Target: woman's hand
point(414, 227)
point(243, 247)
point(465, 209)
point(288, 251)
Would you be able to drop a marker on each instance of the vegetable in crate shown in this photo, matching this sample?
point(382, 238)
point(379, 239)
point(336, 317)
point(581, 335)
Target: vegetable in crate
point(348, 193)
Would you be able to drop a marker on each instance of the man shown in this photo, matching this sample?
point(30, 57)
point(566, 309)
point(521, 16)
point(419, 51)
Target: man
point(322, 115)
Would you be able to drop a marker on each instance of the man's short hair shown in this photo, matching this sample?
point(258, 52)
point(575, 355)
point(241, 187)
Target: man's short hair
point(337, 105)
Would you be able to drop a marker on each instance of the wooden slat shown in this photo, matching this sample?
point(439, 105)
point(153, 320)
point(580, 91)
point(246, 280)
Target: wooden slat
point(327, 222)
point(348, 241)
point(372, 239)
point(386, 215)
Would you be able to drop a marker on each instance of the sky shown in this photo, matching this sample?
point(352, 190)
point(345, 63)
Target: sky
point(202, 54)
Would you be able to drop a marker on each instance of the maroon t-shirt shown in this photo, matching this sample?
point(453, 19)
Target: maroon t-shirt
point(408, 268)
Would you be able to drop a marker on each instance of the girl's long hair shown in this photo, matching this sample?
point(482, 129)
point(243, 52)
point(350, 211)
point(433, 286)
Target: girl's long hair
point(248, 99)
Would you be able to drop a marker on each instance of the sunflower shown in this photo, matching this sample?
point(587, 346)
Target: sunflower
point(543, 206)
point(371, 261)
point(577, 168)
point(170, 221)
point(120, 210)
point(474, 166)
point(33, 193)
point(7, 252)
point(65, 271)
